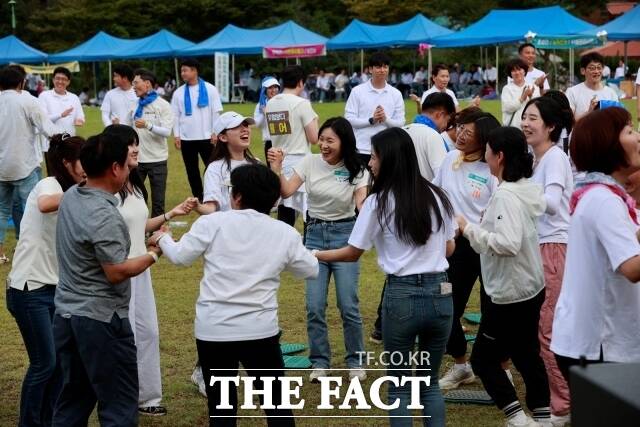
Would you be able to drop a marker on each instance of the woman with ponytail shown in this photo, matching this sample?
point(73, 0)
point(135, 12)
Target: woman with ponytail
point(34, 276)
point(507, 241)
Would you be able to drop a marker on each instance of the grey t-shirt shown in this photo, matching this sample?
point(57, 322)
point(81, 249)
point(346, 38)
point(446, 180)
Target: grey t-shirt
point(90, 232)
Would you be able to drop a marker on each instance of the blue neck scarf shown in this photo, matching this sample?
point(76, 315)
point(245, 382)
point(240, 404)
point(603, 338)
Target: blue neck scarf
point(263, 92)
point(143, 102)
point(424, 120)
point(203, 97)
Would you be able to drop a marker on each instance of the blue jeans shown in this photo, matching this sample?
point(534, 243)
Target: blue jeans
point(21, 188)
point(333, 235)
point(33, 312)
point(414, 306)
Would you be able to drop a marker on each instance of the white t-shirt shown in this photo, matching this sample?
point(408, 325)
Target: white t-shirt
point(598, 307)
point(238, 296)
point(430, 148)
point(330, 196)
point(287, 115)
point(135, 214)
point(215, 177)
point(469, 187)
point(117, 104)
point(394, 256)
point(34, 261)
point(261, 123)
point(434, 89)
point(554, 169)
point(199, 125)
point(55, 105)
point(580, 97)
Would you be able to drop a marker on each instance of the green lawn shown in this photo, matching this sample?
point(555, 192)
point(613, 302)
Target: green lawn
point(176, 291)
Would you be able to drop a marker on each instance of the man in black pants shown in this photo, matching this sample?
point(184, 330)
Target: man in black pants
point(196, 105)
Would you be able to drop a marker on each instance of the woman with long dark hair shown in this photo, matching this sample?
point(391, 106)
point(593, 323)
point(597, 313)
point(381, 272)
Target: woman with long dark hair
point(142, 307)
point(410, 222)
point(34, 276)
point(507, 241)
point(336, 183)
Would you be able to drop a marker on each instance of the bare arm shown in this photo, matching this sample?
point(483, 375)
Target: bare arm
point(311, 131)
point(117, 273)
point(631, 269)
point(347, 254)
point(49, 203)
point(360, 195)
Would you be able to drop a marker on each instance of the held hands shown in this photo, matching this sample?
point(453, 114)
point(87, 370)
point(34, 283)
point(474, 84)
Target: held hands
point(462, 223)
point(152, 241)
point(275, 156)
point(184, 208)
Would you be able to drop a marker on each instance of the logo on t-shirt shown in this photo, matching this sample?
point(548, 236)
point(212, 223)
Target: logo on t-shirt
point(477, 183)
point(341, 175)
point(278, 122)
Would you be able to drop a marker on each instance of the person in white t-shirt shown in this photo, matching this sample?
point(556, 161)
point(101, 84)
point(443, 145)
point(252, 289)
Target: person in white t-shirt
point(374, 106)
point(585, 96)
point(440, 78)
point(465, 177)
point(513, 278)
point(621, 70)
point(231, 151)
point(542, 124)
point(33, 278)
point(336, 183)
point(412, 251)
point(142, 306)
point(293, 126)
point(534, 77)
point(62, 107)
point(120, 100)
point(236, 318)
point(516, 93)
point(270, 87)
point(598, 312)
point(196, 106)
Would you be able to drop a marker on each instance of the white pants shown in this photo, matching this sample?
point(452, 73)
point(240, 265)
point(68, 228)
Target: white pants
point(144, 322)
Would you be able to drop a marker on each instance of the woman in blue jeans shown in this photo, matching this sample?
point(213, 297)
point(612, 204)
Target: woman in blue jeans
point(410, 222)
point(336, 183)
point(34, 276)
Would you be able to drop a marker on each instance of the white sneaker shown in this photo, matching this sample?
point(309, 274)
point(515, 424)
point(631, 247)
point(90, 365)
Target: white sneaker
point(456, 377)
point(526, 422)
point(198, 379)
point(510, 376)
point(560, 420)
point(361, 374)
point(317, 373)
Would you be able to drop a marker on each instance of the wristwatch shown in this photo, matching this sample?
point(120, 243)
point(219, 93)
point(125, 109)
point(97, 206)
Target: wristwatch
point(371, 120)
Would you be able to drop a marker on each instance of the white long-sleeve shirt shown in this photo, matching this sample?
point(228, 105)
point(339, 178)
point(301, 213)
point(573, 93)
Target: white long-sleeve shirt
point(116, 104)
point(199, 125)
point(19, 116)
point(363, 101)
point(55, 104)
point(244, 253)
point(512, 106)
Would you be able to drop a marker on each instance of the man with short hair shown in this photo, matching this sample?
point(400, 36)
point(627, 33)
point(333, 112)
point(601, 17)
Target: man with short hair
point(195, 111)
point(374, 106)
point(534, 76)
point(585, 97)
point(93, 336)
point(293, 126)
point(153, 120)
point(21, 115)
point(437, 110)
point(120, 100)
point(490, 75)
point(62, 107)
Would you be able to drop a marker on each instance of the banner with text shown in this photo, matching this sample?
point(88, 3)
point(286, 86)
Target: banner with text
point(222, 75)
point(306, 51)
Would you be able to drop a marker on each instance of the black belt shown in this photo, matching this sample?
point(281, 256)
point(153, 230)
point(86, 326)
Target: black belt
point(311, 221)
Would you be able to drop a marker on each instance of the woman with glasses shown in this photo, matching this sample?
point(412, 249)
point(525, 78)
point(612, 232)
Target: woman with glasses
point(336, 183)
point(467, 180)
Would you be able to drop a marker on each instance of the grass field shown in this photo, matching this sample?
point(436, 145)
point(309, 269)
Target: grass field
point(176, 292)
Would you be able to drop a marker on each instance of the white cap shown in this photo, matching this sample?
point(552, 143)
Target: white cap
point(229, 120)
point(270, 82)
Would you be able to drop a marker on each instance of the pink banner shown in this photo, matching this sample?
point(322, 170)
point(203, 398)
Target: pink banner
point(305, 51)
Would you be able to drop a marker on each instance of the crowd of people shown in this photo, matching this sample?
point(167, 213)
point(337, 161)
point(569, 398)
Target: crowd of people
point(539, 209)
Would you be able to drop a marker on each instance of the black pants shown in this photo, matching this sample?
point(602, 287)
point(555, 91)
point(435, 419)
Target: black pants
point(253, 355)
point(565, 363)
point(98, 362)
point(190, 151)
point(464, 270)
point(511, 330)
point(157, 173)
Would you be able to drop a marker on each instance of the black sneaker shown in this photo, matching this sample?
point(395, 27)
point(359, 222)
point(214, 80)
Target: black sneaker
point(153, 411)
point(376, 337)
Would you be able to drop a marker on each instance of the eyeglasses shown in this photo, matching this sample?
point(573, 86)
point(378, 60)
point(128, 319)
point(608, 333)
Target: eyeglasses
point(463, 130)
point(594, 68)
point(60, 79)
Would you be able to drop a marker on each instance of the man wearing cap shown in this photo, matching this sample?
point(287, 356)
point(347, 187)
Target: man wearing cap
point(195, 109)
point(293, 126)
point(153, 120)
point(120, 100)
point(270, 88)
point(374, 106)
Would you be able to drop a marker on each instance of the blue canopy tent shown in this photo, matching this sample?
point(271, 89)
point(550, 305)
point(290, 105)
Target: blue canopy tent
point(12, 49)
point(510, 26)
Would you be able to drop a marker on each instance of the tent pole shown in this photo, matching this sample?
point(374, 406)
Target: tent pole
point(175, 69)
point(95, 81)
point(361, 61)
point(570, 67)
point(430, 67)
point(624, 68)
point(110, 79)
point(497, 72)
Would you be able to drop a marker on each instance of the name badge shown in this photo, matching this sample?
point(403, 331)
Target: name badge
point(341, 175)
point(278, 123)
